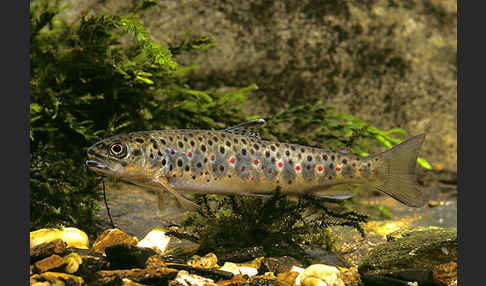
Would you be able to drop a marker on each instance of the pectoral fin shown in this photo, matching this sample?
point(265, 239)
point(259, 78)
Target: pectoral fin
point(339, 192)
point(183, 201)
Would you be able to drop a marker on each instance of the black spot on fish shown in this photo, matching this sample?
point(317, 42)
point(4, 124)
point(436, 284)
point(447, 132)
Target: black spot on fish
point(155, 145)
point(332, 157)
point(243, 152)
point(123, 163)
point(302, 150)
point(221, 168)
point(199, 138)
point(228, 143)
point(215, 139)
point(256, 146)
point(290, 182)
point(139, 140)
point(179, 163)
point(185, 139)
point(199, 165)
point(159, 153)
point(136, 152)
point(192, 143)
point(171, 139)
point(163, 141)
point(309, 158)
point(203, 148)
point(324, 157)
point(272, 148)
point(210, 143)
point(151, 156)
point(164, 162)
point(170, 167)
point(221, 149)
point(193, 177)
point(292, 147)
point(235, 140)
point(243, 141)
point(267, 154)
point(278, 155)
point(187, 169)
point(287, 153)
point(181, 145)
point(223, 135)
point(345, 161)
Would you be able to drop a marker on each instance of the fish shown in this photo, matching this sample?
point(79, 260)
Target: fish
point(237, 161)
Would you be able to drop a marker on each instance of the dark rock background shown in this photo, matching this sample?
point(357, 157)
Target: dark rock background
point(389, 62)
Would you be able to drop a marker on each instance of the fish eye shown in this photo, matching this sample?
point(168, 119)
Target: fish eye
point(117, 149)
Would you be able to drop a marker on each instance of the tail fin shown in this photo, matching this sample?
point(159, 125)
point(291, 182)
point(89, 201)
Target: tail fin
point(396, 172)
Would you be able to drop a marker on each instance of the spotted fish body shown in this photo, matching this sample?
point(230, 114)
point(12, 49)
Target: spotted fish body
point(237, 161)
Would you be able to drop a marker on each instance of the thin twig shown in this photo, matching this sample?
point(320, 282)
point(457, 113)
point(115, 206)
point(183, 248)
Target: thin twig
point(106, 204)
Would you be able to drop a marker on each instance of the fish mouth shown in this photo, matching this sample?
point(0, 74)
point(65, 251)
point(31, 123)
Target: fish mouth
point(96, 166)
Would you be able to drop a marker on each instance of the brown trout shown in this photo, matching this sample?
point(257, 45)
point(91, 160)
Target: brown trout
point(237, 161)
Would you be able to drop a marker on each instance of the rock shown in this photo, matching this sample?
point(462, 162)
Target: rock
point(445, 274)
point(112, 237)
point(350, 276)
point(155, 239)
point(263, 280)
point(279, 264)
point(49, 263)
point(183, 278)
point(410, 256)
point(73, 260)
point(237, 280)
point(321, 275)
point(92, 262)
point(287, 278)
point(128, 282)
point(230, 267)
point(145, 276)
point(126, 256)
point(56, 278)
point(72, 236)
point(210, 260)
point(433, 204)
point(242, 254)
point(215, 274)
point(46, 249)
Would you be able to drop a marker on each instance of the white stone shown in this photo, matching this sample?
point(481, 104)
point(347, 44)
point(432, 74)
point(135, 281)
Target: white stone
point(321, 275)
point(250, 271)
point(71, 235)
point(184, 278)
point(155, 239)
point(230, 267)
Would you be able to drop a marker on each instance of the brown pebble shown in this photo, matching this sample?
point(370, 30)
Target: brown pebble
point(52, 262)
point(286, 278)
point(47, 249)
point(112, 237)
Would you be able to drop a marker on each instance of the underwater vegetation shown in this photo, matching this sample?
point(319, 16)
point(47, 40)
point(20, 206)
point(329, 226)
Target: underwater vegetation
point(104, 75)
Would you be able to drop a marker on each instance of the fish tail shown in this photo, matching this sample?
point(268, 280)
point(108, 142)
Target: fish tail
point(395, 172)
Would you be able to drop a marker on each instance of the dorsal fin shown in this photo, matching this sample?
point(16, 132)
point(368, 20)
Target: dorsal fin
point(250, 128)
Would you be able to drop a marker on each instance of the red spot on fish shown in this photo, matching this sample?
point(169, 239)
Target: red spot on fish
point(242, 169)
point(206, 172)
point(359, 169)
point(269, 171)
point(297, 168)
point(256, 162)
point(232, 160)
point(354, 165)
point(251, 178)
point(212, 157)
point(338, 169)
point(280, 164)
point(189, 154)
point(172, 151)
point(319, 168)
point(329, 177)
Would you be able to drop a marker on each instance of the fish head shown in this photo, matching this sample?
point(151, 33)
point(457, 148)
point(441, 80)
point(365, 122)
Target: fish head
point(118, 156)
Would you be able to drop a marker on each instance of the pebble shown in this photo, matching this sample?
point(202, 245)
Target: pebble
point(445, 274)
point(433, 204)
point(230, 267)
point(46, 249)
point(287, 278)
point(155, 239)
point(56, 278)
point(71, 235)
point(52, 262)
point(321, 275)
point(112, 237)
point(186, 279)
point(250, 271)
point(73, 260)
point(210, 260)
